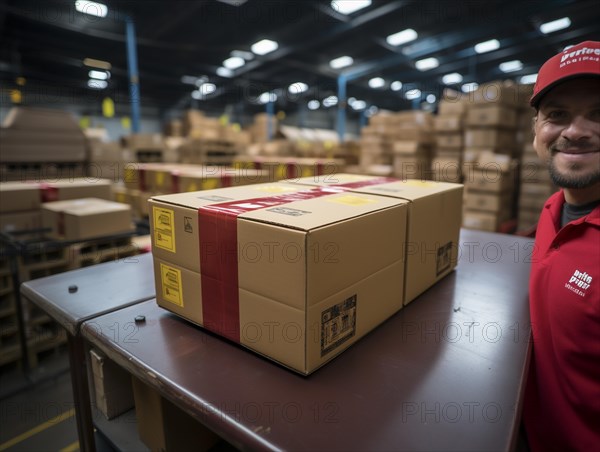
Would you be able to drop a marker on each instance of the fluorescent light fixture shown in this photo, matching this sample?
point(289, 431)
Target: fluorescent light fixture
point(314, 104)
point(264, 46)
point(267, 97)
point(349, 6)
point(242, 54)
point(468, 87)
point(427, 63)
point(297, 88)
point(341, 62)
point(207, 88)
point(487, 46)
point(511, 66)
point(413, 94)
point(359, 105)
point(330, 101)
point(92, 8)
point(97, 84)
point(196, 94)
point(372, 110)
point(555, 25)
point(233, 2)
point(99, 75)
point(99, 64)
point(402, 37)
point(431, 98)
point(233, 63)
point(351, 100)
point(376, 82)
point(452, 79)
point(396, 86)
point(189, 79)
point(224, 72)
point(528, 79)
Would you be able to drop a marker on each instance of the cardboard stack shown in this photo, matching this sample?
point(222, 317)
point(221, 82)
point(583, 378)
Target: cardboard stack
point(143, 147)
point(489, 191)
point(263, 124)
point(449, 133)
point(41, 144)
point(20, 206)
point(376, 141)
point(283, 168)
point(412, 145)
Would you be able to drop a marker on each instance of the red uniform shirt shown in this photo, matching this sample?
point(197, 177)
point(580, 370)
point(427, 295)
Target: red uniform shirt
point(562, 400)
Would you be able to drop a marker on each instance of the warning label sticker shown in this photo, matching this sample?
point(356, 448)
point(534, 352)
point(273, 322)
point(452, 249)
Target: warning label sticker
point(171, 284)
point(164, 228)
point(444, 255)
point(351, 200)
point(338, 324)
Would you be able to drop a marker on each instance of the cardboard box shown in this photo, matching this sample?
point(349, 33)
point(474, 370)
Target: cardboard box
point(490, 138)
point(450, 140)
point(286, 255)
point(19, 196)
point(85, 218)
point(497, 92)
point(162, 426)
point(492, 116)
point(64, 190)
point(453, 103)
point(488, 202)
point(20, 221)
point(484, 221)
point(448, 123)
point(491, 179)
point(434, 217)
point(112, 385)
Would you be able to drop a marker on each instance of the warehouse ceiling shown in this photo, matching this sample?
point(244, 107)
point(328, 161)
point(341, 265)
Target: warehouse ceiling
point(184, 42)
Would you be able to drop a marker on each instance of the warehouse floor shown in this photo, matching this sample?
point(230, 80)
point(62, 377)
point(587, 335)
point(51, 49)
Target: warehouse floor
point(37, 414)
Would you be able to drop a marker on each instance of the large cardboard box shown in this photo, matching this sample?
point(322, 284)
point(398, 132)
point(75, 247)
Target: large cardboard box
point(112, 385)
point(484, 221)
point(278, 267)
point(19, 196)
point(490, 138)
point(77, 188)
point(434, 217)
point(450, 140)
point(488, 202)
point(85, 218)
point(496, 92)
point(492, 115)
point(162, 426)
point(448, 123)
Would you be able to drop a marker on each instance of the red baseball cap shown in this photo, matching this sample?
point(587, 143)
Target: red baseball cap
point(581, 60)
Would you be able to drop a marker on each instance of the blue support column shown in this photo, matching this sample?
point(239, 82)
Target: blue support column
point(416, 103)
point(270, 114)
point(134, 79)
point(341, 112)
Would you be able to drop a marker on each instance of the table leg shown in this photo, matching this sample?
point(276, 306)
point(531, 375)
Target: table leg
point(81, 393)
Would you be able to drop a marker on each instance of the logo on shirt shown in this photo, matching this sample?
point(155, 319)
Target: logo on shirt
point(579, 283)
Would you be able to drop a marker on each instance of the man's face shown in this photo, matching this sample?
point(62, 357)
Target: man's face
point(567, 133)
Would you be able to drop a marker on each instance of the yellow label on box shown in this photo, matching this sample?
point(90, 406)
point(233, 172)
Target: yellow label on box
point(171, 284)
point(164, 228)
point(351, 200)
point(192, 187)
point(209, 184)
point(275, 189)
point(120, 197)
point(307, 171)
point(159, 178)
point(281, 172)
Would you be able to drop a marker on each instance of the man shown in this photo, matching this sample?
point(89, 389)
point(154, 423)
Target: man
point(562, 400)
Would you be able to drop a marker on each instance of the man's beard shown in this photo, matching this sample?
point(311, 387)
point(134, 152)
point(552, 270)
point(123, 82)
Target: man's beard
point(571, 181)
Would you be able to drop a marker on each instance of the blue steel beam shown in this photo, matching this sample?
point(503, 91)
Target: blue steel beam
point(134, 78)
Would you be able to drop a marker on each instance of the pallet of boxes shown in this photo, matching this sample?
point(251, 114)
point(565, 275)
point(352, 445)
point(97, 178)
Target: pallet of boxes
point(490, 168)
point(323, 261)
point(446, 165)
point(412, 143)
point(376, 143)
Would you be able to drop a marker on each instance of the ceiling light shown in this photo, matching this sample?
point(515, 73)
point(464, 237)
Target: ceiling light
point(511, 66)
point(207, 88)
point(297, 88)
point(264, 46)
point(97, 84)
point(189, 79)
point(339, 63)
point(351, 101)
point(196, 94)
point(330, 101)
point(396, 86)
point(92, 8)
point(233, 2)
point(487, 46)
point(91, 62)
point(468, 87)
point(372, 110)
point(99, 75)
point(402, 37)
point(427, 63)
point(314, 104)
point(555, 25)
point(242, 54)
point(413, 94)
point(376, 82)
point(431, 98)
point(359, 105)
point(451, 79)
point(233, 62)
point(349, 6)
point(265, 98)
point(224, 72)
point(528, 79)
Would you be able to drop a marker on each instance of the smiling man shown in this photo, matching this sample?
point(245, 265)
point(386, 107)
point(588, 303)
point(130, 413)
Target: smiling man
point(562, 399)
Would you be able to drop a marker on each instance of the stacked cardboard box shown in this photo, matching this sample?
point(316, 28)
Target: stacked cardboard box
point(264, 126)
point(376, 141)
point(281, 255)
point(282, 168)
point(412, 144)
point(489, 191)
point(143, 147)
point(449, 132)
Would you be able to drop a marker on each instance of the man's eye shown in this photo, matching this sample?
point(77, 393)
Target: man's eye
point(557, 114)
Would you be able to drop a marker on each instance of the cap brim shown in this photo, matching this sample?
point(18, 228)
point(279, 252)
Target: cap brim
point(535, 100)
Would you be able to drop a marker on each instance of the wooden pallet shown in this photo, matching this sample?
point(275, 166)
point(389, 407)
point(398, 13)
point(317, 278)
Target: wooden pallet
point(86, 254)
